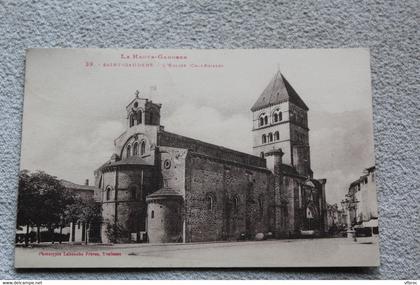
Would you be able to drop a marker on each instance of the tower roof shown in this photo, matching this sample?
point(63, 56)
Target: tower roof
point(277, 91)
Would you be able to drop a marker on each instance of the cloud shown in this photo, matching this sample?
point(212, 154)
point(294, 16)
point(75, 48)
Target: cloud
point(209, 125)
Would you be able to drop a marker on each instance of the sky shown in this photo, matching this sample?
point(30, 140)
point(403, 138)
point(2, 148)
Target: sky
point(74, 104)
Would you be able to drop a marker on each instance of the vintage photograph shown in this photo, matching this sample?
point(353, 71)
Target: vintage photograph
point(197, 158)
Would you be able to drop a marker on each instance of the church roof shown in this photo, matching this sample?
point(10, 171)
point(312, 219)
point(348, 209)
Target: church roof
point(277, 91)
point(164, 192)
point(132, 160)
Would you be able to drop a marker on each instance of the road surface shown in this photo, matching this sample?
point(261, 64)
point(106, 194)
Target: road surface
point(326, 252)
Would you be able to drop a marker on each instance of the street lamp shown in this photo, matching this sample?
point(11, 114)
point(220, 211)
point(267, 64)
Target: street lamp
point(347, 204)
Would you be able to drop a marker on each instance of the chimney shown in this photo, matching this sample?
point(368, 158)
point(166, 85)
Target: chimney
point(87, 182)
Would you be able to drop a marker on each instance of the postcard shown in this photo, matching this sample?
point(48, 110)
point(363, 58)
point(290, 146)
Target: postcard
point(197, 158)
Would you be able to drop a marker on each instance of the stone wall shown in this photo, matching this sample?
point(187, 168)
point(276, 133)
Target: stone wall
point(224, 200)
point(126, 207)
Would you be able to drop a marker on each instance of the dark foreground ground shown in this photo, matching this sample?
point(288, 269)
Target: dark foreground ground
point(330, 252)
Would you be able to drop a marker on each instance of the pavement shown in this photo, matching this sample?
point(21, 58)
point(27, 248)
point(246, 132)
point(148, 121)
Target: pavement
point(324, 252)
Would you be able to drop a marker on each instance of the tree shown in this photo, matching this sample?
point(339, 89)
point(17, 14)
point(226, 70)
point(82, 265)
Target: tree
point(42, 201)
point(26, 208)
point(87, 211)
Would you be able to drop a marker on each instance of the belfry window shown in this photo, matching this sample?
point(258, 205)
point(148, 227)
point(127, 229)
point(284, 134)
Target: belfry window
point(139, 117)
point(264, 139)
point(276, 136)
point(135, 148)
point(277, 116)
point(128, 154)
point(132, 117)
point(142, 147)
point(263, 120)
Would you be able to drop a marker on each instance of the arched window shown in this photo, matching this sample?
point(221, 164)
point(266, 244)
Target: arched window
point(153, 214)
point(135, 148)
point(276, 136)
point(280, 116)
point(142, 147)
point(128, 151)
point(262, 155)
point(235, 204)
point(139, 117)
point(132, 117)
point(263, 119)
point(210, 202)
point(264, 139)
point(108, 193)
point(275, 117)
point(270, 137)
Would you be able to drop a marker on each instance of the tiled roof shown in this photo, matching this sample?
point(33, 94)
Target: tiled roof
point(132, 160)
point(277, 91)
point(70, 185)
point(164, 192)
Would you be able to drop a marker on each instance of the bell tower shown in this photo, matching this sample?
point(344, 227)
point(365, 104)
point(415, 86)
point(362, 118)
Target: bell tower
point(280, 121)
point(142, 111)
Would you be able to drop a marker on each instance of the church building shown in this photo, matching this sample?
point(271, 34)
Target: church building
point(161, 187)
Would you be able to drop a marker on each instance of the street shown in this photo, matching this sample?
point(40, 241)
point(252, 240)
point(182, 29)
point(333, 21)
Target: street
point(326, 252)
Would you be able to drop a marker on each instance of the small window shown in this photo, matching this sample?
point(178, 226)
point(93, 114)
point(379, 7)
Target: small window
point(265, 120)
point(264, 139)
point(210, 202)
point(235, 204)
point(270, 137)
point(128, 154)
point(108, 193)
point(153, 214)
point(142, 147)
point(280, 116)
point(276, 136)
point(135, 148)
point(262, 154)
point(261, 121)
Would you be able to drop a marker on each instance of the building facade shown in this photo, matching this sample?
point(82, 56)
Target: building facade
point(162, 187)
point(363, 209)
point(79, 231)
